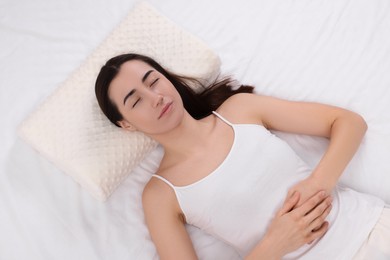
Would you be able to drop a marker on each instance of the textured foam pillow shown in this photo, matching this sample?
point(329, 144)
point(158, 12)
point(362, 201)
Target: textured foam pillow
point(71, 131)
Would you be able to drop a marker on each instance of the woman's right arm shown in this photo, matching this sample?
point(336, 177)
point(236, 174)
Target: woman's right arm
point(292, 228)
point(165, 223)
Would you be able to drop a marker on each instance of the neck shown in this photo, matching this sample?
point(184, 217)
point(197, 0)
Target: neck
point(188, 137)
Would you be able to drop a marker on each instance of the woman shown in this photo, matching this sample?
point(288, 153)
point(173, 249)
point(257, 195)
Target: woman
point(224, 172)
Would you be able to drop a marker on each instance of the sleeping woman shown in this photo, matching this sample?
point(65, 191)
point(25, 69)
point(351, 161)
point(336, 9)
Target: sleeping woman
point(224, 172)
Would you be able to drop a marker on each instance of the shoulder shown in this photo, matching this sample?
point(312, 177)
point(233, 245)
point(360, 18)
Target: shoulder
point(158, 196)
point(156, 190)
point(246, 98)
point(242, 108)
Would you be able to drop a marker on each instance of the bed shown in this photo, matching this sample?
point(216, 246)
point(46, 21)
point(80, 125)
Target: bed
point(334, 51)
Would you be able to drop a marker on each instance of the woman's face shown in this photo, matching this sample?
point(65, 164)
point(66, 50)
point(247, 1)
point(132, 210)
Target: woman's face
point(147, 100)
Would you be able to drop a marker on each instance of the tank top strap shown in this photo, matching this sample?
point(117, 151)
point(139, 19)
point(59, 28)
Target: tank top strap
point(164, 180)
point(222, 118)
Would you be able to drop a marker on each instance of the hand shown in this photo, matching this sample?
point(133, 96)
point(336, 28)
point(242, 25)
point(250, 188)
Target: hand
point(292, 228)
point(308, 187)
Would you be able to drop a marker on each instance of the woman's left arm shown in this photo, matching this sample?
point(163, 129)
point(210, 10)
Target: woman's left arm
point(344, 128)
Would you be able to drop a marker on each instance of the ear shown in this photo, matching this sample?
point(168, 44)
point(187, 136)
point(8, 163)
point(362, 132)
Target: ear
point(126, 125)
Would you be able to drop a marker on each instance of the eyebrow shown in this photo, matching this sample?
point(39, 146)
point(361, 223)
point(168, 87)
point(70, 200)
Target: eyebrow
point(128, 95)
point(146, 75)
point(133, 90)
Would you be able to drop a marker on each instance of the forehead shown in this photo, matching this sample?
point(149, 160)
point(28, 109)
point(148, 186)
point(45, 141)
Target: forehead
point(132, 70)
point(129, 76)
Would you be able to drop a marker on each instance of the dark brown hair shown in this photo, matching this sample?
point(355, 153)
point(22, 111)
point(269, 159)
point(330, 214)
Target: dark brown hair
point(198, 104)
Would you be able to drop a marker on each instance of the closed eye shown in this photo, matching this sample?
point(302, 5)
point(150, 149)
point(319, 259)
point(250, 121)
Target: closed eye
point(139, 99)
point(151, 85)
point(154, 82)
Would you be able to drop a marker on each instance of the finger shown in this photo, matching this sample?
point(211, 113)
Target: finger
point(319, 233)
point(289, 204)
point(290, 193)
point(316, 223)
point(319, 211)
point(311, 203)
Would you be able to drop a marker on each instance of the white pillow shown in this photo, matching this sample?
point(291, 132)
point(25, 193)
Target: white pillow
point(71, 131)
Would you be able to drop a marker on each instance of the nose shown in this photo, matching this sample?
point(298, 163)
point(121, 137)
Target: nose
point(154, 98)
point(157, 100)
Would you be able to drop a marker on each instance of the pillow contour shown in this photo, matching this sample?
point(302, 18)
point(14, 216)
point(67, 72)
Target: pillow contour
point(70, 130)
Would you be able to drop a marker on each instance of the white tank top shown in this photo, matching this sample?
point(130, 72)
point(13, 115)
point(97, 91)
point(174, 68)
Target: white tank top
point(237, 201)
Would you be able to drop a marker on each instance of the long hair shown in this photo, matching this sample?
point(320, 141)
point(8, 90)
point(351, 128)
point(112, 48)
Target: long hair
point(198, 104)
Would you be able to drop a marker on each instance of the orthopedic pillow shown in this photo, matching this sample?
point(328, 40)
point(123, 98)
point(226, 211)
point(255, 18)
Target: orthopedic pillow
point(69, 127)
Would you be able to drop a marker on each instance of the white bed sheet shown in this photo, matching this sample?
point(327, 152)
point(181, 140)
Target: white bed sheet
point(333, 51)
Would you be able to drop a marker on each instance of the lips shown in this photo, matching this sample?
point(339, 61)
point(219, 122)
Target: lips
point(165, 109)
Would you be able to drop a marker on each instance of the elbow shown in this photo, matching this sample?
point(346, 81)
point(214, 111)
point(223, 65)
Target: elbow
point(362, 123)
point(365, 125)
point(358, 123)
point(353, 121)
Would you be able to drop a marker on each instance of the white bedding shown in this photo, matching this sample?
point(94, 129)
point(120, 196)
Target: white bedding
point(333, 51)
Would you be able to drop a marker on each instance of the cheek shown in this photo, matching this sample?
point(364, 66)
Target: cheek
point(141, 121)
point(168, 87)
